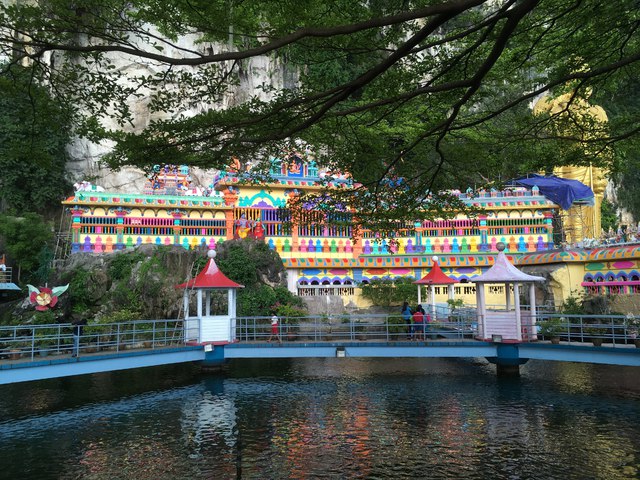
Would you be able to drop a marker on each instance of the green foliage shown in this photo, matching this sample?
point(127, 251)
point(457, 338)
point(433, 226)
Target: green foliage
point(45, 261)
point(609, 217)
point(574, 303)
point(397, 325)
point(34, 134)
point(25, 239)
point(78, 293)
point(122, 264)
point(437, 93)
point(123, 297)
point(245, 262)
point(552, 327)
point(288, 312)
point(119, 316)
point(387, 292)
point(455, 304)
point(238, 265)
point(256, 301)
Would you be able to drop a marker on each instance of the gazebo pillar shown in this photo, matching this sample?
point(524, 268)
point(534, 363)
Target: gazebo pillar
point(433, 302)
point(419, 295)
point(481, 308)
point(207, 303)
point(516, 301)
point(507, 290)
point(199, 297)
point(532, 312)
point(185, 302)
point(450, 291)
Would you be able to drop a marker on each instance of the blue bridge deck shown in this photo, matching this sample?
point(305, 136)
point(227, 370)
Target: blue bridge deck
point(20, 370)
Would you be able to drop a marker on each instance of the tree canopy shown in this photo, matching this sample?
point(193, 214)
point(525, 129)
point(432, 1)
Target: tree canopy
point(437, 93)
point(34, 133)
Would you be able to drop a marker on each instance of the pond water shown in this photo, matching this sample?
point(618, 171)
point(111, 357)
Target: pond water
point(327, 418)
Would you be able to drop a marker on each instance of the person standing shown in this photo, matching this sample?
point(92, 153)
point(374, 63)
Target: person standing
point(78, 329)
point(406, 315)
point(275, 328)
point(418, 322)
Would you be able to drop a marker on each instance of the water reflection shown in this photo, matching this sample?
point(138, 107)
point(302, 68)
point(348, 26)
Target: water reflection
point(330, 418)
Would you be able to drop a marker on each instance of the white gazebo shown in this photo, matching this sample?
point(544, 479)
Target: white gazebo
point(511, 322)
point(207, 326)
point(435, 277)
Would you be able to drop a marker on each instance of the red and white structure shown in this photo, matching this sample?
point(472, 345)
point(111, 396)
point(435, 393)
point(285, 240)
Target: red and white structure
point(211, 327)
point(435, 277)
point(511, 322)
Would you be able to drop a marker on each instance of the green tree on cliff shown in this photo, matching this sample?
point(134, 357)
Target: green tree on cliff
point(27, 240)
point(34, 134)
point(434, 92)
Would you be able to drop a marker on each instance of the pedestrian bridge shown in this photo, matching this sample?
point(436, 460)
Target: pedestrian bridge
point(39, 352)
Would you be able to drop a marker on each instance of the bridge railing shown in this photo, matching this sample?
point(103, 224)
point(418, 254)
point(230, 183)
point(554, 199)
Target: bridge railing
point(6, 275)
point(613, 330)
point(29, 341)
point(319, 328)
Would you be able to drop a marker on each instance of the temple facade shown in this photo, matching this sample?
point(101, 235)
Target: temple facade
point(321, 257)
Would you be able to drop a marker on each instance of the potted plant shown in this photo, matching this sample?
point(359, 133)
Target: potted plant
point(453, 306)
point(632, 326)
point(597, 333)
point(290, 318)
point(551, 328)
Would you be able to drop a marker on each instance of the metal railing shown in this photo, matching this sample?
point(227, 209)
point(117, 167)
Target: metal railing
point(613, 330)
point(6, 275)
point(29, 341)
point(320, 328)
point(323, 290)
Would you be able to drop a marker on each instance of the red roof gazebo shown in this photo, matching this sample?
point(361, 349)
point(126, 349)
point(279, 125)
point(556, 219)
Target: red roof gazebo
point(435, 277)
point(211, 327)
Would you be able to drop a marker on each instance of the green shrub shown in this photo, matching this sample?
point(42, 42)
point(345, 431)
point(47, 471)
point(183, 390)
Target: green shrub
point(387, 292)
point(122, 264)
point(551, 327)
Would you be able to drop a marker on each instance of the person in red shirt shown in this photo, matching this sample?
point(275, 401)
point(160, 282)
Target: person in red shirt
point(418, 323)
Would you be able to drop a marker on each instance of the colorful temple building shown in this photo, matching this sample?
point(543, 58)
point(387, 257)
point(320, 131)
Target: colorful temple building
point(322, 258)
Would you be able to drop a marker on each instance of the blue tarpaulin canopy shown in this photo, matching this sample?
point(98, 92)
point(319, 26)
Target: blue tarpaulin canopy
point(561, 191)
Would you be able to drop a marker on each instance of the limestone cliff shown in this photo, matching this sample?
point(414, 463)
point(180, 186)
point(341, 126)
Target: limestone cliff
point(247, 80)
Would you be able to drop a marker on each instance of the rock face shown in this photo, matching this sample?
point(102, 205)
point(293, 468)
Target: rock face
point(249, 79)
point(141, 283)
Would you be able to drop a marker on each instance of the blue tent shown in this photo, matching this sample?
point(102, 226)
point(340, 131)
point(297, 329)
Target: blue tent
point(561, 191)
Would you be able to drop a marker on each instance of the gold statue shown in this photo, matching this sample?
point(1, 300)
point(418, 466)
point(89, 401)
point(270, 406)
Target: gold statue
point(581, 119)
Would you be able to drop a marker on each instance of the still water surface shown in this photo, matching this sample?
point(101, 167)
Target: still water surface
point(327, 418)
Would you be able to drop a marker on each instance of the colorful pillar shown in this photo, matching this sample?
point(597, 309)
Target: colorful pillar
point(230, 198)
point(548, 221)
point(484, 234)
point(177, 227)
point(120, 230)
point(76, 225)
